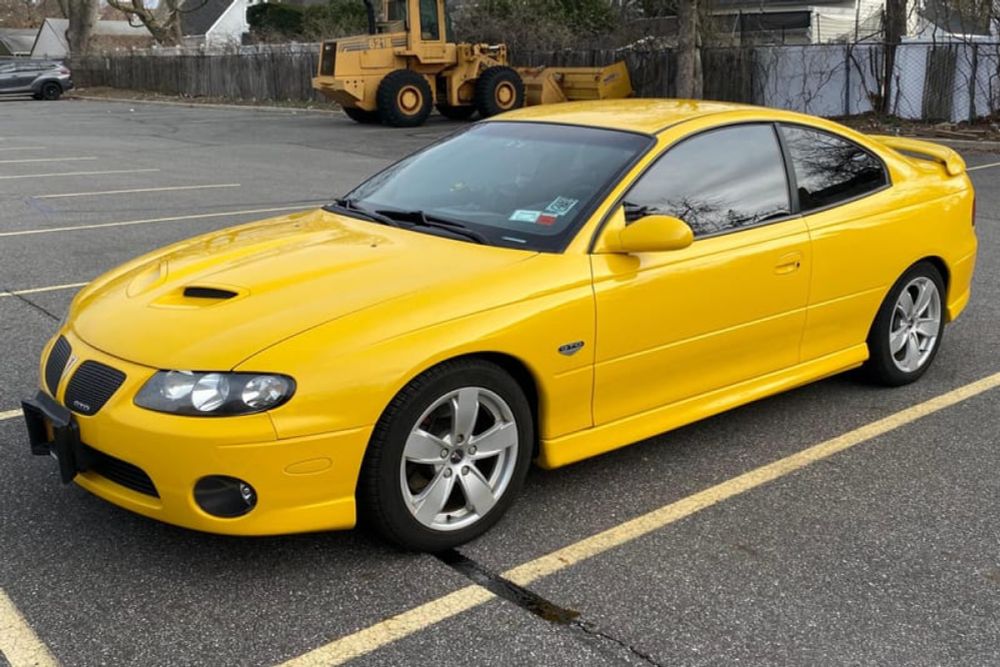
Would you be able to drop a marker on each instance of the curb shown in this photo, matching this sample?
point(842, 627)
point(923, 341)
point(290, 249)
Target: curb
point(210, 105)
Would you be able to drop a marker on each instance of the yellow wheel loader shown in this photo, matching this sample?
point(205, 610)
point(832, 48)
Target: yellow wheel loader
point(407, 64)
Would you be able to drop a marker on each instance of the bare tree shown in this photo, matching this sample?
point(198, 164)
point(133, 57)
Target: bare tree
point(895, 28)
point(162, 21)
point(83, 16)
point(26, 13)
point(689, 79)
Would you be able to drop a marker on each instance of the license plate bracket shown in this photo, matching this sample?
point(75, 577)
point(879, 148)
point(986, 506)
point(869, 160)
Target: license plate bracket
point(42, 413)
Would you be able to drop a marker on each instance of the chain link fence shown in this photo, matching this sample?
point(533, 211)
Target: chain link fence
point(929, 82)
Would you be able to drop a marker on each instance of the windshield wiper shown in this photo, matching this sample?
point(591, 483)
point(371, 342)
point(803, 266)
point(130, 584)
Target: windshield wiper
point(349, 206)
point(421, 219)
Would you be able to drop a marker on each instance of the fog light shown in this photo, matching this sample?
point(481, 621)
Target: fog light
point(225, 497)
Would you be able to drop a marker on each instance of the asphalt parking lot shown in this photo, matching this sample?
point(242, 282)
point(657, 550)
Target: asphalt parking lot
point(885, 552)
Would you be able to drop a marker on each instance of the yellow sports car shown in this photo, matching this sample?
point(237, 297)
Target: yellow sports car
point(548, 285)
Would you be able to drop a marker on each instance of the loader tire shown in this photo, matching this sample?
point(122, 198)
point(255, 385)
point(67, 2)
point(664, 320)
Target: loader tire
point(498, 89)
point(456, 113)
point(362, 116)
point(404, 99)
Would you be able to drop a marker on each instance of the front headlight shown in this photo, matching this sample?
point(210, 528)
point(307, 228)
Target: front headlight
point(214, 394)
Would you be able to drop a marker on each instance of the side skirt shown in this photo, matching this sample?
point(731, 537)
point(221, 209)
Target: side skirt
point(613, 435)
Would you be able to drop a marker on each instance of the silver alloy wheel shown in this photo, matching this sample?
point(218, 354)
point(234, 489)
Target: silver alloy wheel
point(459, 458)
point(915, 324)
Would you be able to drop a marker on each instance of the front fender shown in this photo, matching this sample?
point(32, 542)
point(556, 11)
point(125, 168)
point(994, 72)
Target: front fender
point(347, 371)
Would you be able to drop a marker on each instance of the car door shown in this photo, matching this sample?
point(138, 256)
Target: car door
point(24, 76)
point(8, 74)
point(730, 307)
point(838, 184)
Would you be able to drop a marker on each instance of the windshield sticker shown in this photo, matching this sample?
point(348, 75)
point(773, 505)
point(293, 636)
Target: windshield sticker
point(546, 219)
point(561, 206)
point(521, 215)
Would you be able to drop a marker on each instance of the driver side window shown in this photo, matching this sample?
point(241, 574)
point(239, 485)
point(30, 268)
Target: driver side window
point(718, 181)
point(429, 28)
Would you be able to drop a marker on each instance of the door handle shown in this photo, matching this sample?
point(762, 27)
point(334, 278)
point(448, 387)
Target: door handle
point(788, 263)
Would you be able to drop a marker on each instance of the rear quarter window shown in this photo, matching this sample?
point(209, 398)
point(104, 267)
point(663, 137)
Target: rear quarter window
point(830, 170)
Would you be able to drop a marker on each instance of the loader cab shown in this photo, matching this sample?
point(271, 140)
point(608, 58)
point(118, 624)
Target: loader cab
point(432, 19)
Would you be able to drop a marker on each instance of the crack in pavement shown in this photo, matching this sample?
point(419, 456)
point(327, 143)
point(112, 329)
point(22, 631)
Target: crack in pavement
point(535, 604)
point(30, 304)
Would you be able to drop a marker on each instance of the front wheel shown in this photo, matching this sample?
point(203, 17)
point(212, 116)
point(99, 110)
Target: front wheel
point(498, 89)
point(447, 457)
point(403, 99)
point(907, 332)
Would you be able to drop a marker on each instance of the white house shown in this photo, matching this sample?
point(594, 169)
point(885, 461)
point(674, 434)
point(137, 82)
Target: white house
point(798, 22)
point(215, 23)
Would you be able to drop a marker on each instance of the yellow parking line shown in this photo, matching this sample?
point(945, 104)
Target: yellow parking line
point(77, 173)
point(48, 159)
point(10, 414)
point(128, 192)
point(28, 232)
point(18, 642)
point(37, 290)
point(376, 636)
point(983, 166)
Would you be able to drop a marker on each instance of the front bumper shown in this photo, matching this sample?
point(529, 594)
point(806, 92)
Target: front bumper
point(303, 484)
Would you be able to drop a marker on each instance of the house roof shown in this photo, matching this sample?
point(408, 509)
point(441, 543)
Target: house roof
point(51, 38)
point(18, 40)
point(198, 16)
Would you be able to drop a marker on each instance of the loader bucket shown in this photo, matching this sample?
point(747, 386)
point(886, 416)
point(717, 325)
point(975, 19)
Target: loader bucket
point(549, 85)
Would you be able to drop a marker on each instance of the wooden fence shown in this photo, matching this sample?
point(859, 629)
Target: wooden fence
point(931, 82)
point(246, 74)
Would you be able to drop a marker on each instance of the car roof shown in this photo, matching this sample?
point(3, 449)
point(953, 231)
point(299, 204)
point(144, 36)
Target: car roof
point(648, 116)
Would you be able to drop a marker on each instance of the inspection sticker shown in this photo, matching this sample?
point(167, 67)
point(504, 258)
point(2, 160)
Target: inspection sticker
point(521, 215)
point(546, 219)
point(561, 205)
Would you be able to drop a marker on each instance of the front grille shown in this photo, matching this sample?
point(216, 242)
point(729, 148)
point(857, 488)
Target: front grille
point(91, 386)
point(57, 363)
point(328, 59)
point(120, 472)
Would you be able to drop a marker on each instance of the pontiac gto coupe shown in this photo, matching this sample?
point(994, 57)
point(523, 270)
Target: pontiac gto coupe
point(546, 285)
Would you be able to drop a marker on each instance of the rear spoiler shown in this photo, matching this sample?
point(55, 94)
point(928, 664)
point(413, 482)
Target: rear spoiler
point(952, 161)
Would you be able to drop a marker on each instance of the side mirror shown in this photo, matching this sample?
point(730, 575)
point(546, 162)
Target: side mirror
point(651, 233)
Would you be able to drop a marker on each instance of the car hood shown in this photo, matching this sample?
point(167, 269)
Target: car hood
point(212, 302)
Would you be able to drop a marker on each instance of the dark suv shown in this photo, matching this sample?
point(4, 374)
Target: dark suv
point(42, 79)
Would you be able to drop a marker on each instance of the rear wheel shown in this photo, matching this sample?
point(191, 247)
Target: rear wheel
point(50, 91)
point(498, 89)
point(907, 331)
point(403, 99)
point(447, 457)
point(361, 115)
point(456, 113)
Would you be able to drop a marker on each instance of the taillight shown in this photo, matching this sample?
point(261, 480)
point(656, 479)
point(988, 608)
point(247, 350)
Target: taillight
point(63, 71)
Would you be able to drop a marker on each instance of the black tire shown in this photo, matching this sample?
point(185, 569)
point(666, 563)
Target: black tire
point(404, 99)
point(456, 113)
point(498, 89)
point(362, 116)
point(50, 91)
point(881, 367)
point(380, 496)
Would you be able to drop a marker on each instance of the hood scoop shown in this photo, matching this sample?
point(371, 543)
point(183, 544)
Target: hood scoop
point(200, 296)
point(202, 292)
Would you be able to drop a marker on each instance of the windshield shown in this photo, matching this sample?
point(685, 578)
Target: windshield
point(525, 185)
